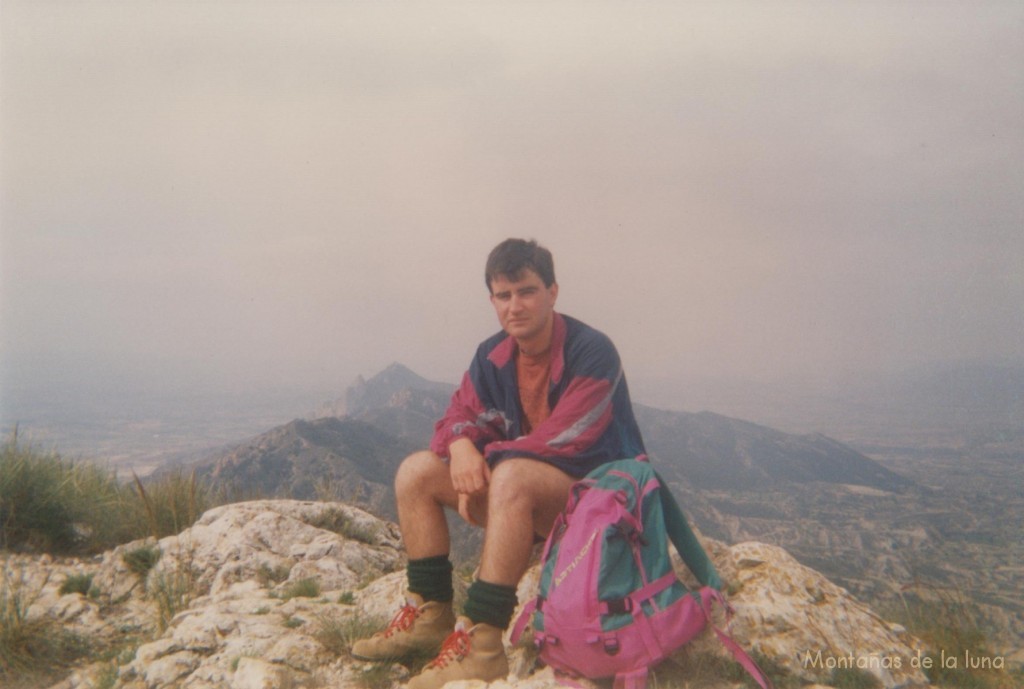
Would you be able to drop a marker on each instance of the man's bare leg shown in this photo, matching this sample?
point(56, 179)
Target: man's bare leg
point(524, 498)
point(423, 488)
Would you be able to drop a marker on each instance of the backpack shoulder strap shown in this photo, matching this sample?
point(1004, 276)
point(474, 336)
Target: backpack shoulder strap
point(709, 597)
point(524, 619)
point(685, 541)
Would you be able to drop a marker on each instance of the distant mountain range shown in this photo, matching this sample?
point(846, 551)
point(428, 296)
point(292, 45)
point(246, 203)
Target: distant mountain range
point(327, 458)
point(355, 456)
point(711, 451)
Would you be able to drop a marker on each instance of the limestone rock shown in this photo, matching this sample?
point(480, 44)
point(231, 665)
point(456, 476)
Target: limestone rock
point(236, 618)
point(254, 673)
point(799, 619)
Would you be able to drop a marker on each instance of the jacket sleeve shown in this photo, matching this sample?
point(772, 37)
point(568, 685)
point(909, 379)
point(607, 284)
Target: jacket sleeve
point(467, 416)
point(582, 414)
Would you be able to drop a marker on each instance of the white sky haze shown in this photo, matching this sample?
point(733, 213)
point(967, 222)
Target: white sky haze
point(291, 193)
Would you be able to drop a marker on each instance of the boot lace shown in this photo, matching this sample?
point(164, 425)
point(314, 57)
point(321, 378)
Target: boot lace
point(455, 648)
point(402, 620)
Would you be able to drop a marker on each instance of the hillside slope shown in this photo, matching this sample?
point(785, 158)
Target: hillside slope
point(322, 458)
point(716, 452)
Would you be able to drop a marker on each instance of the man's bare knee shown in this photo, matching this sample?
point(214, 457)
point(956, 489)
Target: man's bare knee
point(509, 484)
point(420, 485)
point(419, 473)
point(538, 485)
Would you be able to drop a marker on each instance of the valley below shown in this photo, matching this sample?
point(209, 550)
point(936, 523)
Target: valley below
point(956, 538)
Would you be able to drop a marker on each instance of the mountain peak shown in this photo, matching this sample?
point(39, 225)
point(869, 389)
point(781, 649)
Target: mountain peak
point(378, 391)
point(395, 370)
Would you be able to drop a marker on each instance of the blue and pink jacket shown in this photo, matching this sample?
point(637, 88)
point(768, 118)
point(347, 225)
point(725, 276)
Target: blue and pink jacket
point(591, 418)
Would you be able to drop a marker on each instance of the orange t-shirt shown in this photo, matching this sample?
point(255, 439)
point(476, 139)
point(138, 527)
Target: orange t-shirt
point(533, 374)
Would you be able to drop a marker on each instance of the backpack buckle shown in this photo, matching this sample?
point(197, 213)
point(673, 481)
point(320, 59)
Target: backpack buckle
point(611, 646)
point(619, 606)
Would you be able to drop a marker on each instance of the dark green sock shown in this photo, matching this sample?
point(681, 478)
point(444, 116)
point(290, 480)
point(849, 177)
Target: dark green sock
point(431, 577)
point(491, 604)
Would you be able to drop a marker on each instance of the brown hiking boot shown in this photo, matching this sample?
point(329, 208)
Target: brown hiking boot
point(419, 628)
point(470, 652)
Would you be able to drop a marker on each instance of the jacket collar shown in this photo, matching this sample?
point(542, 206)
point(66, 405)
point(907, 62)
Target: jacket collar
point(504, 353)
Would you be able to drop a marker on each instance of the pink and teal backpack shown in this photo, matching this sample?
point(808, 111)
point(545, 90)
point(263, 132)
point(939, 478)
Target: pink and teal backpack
point(610, 604)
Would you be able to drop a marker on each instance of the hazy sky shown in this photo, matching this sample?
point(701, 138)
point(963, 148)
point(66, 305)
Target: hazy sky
point(289, 193)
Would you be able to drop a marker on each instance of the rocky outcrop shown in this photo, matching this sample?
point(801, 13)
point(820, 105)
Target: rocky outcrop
point(270, 593)
point(797, 618)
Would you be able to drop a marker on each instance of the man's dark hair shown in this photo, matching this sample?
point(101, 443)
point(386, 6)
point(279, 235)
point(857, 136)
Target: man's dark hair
point(510, 258)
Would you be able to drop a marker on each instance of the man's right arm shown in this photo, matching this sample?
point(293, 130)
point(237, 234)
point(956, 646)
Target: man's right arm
point(467, 426)
point(468, 415)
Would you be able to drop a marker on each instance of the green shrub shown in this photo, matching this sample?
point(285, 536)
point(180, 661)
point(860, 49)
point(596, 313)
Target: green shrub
point(172, 589)
point(347, 598)
point(339, 521)
point(945, 621)
point(372, 574)
point(34, 647)
point(294, 622)
point(142, 559)
point(76, 583)
point(112, 657)
point(171, 503)
point(17, 634)
point(337, 633)
point(106, 677)
point(52, 504)
point(303, 588)
point(173, 585)
point(267, 575)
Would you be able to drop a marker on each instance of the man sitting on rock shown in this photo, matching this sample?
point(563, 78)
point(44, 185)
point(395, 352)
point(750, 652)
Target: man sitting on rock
point(543, 403)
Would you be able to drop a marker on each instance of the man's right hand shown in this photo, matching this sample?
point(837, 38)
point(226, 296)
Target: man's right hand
point(470, 474)
point(469, 471)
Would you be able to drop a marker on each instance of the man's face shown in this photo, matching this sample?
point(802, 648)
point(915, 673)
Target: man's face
point(524, 306)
